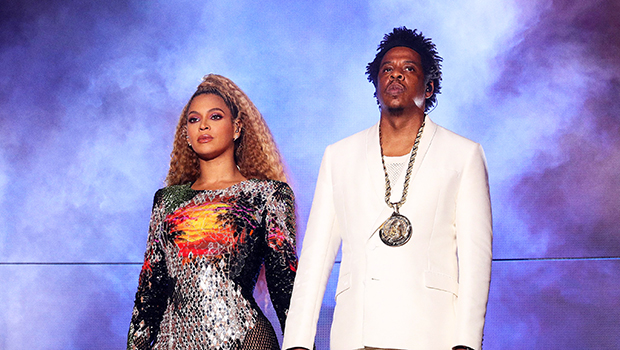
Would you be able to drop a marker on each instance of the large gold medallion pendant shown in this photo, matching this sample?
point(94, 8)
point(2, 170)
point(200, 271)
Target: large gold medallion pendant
point(396, 230)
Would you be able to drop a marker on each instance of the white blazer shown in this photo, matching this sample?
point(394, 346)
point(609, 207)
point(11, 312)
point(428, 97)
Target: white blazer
point(430, 293)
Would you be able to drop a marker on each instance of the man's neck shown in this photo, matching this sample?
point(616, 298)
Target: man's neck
point(398, 132)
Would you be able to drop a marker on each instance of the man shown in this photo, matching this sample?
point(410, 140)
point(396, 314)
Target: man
point(409, 202)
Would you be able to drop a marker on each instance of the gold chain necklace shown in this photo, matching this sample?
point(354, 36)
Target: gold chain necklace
point(396, 230)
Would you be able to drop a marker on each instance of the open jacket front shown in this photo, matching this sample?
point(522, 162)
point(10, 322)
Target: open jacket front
point(430, 293)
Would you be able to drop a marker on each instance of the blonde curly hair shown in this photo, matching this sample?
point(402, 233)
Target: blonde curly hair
point(256, 153)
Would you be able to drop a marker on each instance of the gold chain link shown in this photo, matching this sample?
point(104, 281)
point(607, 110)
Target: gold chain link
point(388, 188)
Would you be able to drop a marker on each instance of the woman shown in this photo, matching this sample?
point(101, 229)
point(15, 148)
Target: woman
point(225, 212)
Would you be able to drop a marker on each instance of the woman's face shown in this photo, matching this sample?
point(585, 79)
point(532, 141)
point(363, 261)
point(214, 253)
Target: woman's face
point(210, 128)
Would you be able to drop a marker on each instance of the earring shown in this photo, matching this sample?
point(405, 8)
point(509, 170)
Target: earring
point(238, 132)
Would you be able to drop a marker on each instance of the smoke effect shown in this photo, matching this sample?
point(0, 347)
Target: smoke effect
point(80, 133)
point(553, 305)
point(570, 192)
point(90, 95)
point(77, 307)
point(561, 80)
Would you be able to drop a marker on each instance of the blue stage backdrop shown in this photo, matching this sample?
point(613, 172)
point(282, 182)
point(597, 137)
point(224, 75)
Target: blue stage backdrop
point(90, 92)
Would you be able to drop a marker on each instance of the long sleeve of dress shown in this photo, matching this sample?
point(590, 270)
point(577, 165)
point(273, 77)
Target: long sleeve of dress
point(280, 251)
point(153, 287)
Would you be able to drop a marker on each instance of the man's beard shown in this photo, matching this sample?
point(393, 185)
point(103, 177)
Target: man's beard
point(395, 111)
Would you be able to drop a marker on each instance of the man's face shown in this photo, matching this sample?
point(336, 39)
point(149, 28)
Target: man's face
point(401, 81)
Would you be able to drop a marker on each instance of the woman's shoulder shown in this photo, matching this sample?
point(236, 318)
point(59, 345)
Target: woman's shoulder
point(270, 187)
point(172, 193)
point(174, 190)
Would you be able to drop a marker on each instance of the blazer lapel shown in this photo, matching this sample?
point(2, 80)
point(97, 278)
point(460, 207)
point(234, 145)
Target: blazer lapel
point(425, 143)
point(373, 162)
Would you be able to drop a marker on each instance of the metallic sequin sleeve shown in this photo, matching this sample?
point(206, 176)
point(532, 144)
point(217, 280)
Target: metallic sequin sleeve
point(153, 286)
point(280, 253)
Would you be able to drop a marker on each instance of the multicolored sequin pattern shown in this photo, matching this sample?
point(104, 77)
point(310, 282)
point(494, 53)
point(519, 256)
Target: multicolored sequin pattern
point(204, 252)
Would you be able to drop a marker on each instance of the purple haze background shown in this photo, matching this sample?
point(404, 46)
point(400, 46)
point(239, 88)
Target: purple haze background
point(90, 93)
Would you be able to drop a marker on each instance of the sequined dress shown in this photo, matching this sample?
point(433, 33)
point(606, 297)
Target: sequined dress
point(203, 257)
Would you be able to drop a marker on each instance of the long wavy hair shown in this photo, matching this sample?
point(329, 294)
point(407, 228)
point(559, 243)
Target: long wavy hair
point(256, 153)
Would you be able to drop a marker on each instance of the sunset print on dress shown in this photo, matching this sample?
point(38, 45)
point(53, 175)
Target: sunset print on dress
point(200, 229)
